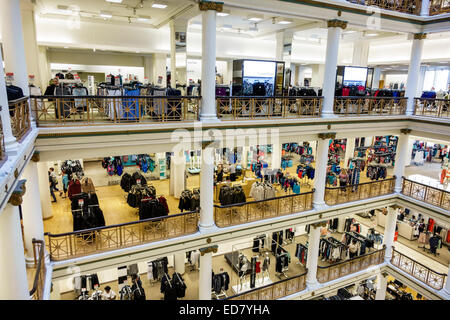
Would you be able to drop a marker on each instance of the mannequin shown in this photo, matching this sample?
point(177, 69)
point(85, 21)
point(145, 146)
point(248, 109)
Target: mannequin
point(243, 271)
point(265, 267)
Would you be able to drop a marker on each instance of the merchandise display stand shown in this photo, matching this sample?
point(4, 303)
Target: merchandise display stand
point(240, 288)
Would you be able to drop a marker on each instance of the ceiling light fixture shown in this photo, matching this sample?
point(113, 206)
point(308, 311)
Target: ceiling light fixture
point(159, 5)
point(64, 9)
point(114, 1)
point(105, 14)
point(284, 21)
point(371, 34)
point(255, 17)
point(144, 18)
point(224, 13)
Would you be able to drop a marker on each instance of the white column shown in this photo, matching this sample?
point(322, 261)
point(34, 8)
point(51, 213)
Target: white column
point(349, 151)
point(401, 157)
point(313, 255)
point(276, 155)
point(381, 287)
point(11, 144)
point(206, 188)
point(279, 37)
point(329, 82)
point(376, 78)
point(178, 168)
point(413, 71)
point(13, 44)
point(180, 262)
point(320, 173)
point(409, 152)
point(13, 274)
point(389, 232)
point(208, 87)
point(317, 76)
point(173, 55)
point(44, 190)
point(205, 277)
point(360, 53)
point(368, 141)
point(425, 9)
point(31, 210)
point(159, 69)
point(447, 283)
point(148, 68)
point(245, 150)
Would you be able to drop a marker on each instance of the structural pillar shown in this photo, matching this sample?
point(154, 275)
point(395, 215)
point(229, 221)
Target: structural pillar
point(208, 87)
point(276, 156)
point(381, 286)
point(349, 151)
point(159, 69)
point(401, 156)
point(414, 71)
point(177, 174)
point(207, 186)
point(447, 282)
point(425, 8)
point(376, 78)
point(180, 262)
point(313, 254)
point(205, 273)
point(321, 161)
point(360, 53)
point(31, 210)
point(44, 190)
point(334, 34)
point(13, 274)
point(13, 44)
point(389, 232)
point(173, 55)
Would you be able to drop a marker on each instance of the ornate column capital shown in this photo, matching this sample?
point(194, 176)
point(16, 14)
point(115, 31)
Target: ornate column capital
point(335, 23)
point(327, 135)
point(36, 156)
point(420, 36)
point(405, 131)
point(19, 191)
point(319, 224)
point(210, 5)
point(206, 250)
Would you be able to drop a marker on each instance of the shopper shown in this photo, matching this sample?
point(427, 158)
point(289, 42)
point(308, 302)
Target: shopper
point(50, 91)
point(51, 191)
point(108, 294)
point(353, 249)
point(65, 181)
point(53, 180)
point(136, 288)
point(219, 177)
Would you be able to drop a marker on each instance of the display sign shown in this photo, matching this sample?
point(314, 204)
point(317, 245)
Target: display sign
point(80, 202)
point(264, 69)
point(355, 76)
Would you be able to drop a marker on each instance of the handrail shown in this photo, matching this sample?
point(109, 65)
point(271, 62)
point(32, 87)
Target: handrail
point(36, 291)
point(12, 102)
point(369, 105)
point(418, 270)
point(94, 240)
point(370, 97)
point(264, 200)
point(268, 286)
point(111, 97)
point(439, 7)
point(269, 97)
point(406, 6)
point(430, 107)
point(345, 261)
point(360, 184)
point(429, 194)
point(19, 111)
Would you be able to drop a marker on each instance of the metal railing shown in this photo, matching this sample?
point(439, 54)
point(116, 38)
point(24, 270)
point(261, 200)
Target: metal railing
point(439, 6)
point(370, 106)
point(90, 241)
point(19, 111)
point(439, 108)
point(422, 273)
point(344, 268)
point(434, 196)
point(36, 293)
point(244, 212)
point(275, 290)
point(101, 110)
point(406, 6)
point(232, 108)
point(354, 192)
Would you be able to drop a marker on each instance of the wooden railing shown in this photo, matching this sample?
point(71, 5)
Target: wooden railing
point(439, 108)
point(19, 111)
point(434, 196)
point(232, 108)
point(275, 290)
point(406, 6)
point(422, 273)
point(369, 106)
point(101, 110)
point(439, 6)
point(337, 195)
point(344, 268)
point(90, 241)
point(36, 293)
point(244, 212)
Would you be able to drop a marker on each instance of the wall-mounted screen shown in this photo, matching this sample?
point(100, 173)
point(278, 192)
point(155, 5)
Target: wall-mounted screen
point(354, 76)
point(264, 69)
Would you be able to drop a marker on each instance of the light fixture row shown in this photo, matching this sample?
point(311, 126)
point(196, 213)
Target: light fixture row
point(156, 4)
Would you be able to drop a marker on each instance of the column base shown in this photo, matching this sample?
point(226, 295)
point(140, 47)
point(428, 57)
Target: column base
point(312, 285)
point(398, 189)
point(29, 262)
point(207, 229)
point(209, 118)
point(329, 115)
point(12, 147)
point(320, 205)
point(409, 112)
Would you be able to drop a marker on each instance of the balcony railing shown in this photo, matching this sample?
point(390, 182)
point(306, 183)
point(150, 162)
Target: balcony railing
point(344, 268)
point(422, 273)
point(434, 196)
point(439, 6)
point(244, 212)
point(275, 290)
point(2, 140)
point(337, 195)
point(91, 241)
point(439, 108)
point(101, 110)
point(19, 111)
point(232, 108)
point(406, 6)
point(369, 106)
point(36, 293)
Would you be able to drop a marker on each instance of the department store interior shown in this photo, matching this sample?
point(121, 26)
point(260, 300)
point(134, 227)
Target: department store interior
point(348, 200)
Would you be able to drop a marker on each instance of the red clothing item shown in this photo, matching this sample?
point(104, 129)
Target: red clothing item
point(258, 266)
point(73, 188)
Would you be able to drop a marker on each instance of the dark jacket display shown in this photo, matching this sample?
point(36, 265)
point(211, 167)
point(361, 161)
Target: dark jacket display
point(153, 208)
point(89, 215)
point(220, 281)
point(231, 195)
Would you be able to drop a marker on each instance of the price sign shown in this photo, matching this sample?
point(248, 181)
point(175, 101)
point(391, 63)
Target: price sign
point(80, 202)
point(138, 181)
